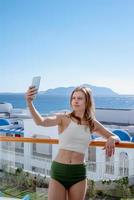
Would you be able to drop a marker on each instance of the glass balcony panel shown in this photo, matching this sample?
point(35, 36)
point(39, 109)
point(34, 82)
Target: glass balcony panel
point(28, 171)
point(25, 172)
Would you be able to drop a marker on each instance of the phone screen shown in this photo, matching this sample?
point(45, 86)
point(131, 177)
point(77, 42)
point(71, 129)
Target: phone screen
point(36, 82)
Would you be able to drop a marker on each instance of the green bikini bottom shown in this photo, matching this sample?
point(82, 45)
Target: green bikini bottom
point(68, 174)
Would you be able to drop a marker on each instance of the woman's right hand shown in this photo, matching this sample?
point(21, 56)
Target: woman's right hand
point(30, 94)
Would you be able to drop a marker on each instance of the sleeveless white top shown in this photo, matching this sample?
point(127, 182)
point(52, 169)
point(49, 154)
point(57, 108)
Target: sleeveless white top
point(75, 137)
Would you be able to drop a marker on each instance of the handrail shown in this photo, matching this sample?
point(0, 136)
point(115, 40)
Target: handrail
point(29, 140)
point(119, 145)
point(56, 141)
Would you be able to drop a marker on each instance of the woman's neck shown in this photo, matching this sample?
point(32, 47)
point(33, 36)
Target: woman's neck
point(79, 114)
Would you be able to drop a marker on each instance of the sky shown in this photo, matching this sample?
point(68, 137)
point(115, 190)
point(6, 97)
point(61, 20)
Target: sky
point(67, 43)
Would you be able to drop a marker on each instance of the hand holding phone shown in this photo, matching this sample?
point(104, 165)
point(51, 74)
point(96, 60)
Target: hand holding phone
point(33, 89)
point(36, 82)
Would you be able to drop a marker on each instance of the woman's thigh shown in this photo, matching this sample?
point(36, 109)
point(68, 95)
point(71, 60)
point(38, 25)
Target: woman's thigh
point(77, 191)
point(56, 191)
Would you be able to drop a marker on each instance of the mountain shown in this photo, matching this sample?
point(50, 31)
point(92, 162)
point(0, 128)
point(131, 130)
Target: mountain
point(65, 91)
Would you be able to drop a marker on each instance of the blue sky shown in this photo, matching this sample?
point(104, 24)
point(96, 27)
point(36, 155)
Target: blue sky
point(67, 42)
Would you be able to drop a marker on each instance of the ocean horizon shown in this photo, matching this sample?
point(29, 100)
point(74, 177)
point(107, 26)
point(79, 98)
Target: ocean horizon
point(52, 103)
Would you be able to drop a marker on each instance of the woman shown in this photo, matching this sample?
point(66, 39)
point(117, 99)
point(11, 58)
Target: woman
point(68, 171)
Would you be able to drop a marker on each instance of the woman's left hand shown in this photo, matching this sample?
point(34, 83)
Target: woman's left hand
point(110, 146)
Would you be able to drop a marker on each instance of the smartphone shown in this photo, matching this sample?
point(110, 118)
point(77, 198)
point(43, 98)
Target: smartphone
point(36, 82)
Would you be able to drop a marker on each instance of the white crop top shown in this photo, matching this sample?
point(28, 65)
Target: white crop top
point(75, 137)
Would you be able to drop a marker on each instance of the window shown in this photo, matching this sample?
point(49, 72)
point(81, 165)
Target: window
point(92, 159)
point(123, 164)
point(109, 167)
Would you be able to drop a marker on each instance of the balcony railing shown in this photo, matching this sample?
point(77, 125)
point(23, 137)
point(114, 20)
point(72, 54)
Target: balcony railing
point(25, 168)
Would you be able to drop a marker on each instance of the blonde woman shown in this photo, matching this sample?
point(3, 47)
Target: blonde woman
point(68, 170)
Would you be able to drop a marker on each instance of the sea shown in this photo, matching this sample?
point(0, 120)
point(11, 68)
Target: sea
point(52, 103)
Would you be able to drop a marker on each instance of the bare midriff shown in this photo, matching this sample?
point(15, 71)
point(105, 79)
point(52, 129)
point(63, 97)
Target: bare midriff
point(69, 157)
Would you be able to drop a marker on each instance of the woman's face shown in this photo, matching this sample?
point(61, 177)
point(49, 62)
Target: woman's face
point(78, 101)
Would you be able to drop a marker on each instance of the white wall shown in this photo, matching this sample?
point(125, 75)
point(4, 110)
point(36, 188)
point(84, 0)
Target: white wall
point(113, 115)
point(31, 129)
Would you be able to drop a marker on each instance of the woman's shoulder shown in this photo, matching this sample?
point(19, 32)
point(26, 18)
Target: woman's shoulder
point(64, 118)
point(63, 115)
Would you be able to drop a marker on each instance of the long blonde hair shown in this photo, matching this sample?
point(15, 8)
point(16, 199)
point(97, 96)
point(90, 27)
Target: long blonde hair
point(89, 113)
